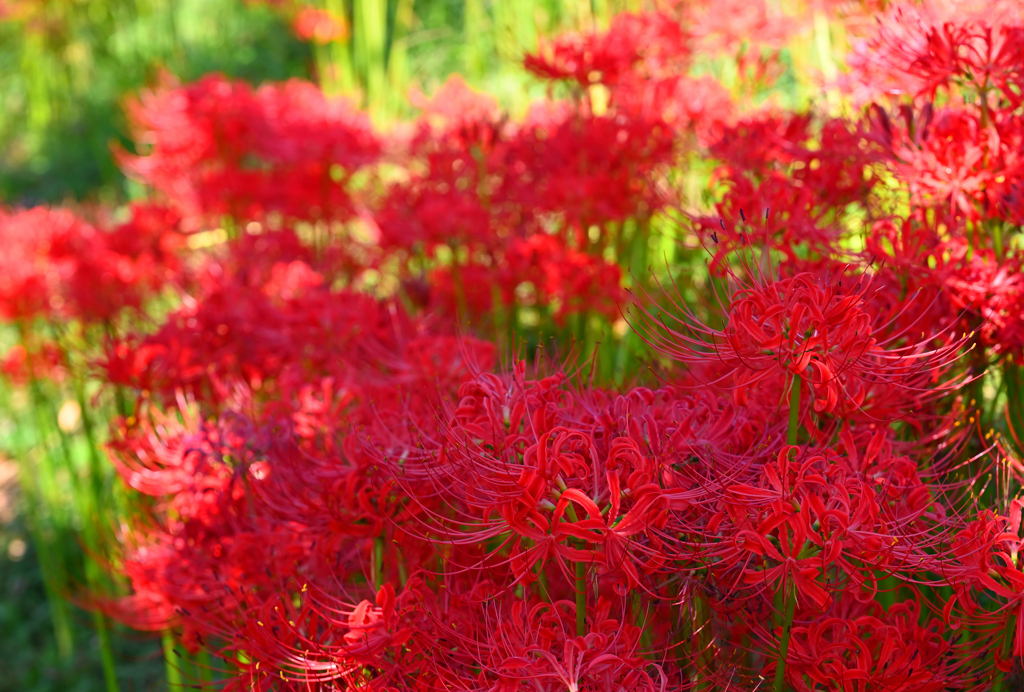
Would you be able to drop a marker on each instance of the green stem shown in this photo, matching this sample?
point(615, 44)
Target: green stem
point(52, 557)
point(398, 57)
point(91, 509)
point(369, 48)
point(581, 582)
point(378, 562)
point(461, 307)
point(106, 651)
point(887, 589)
point(53, 575)
point(542, 583)
point(204, 666)
point(823, 42)
point(1011, 623)
point(474, 17)
point(790, 591)
point(173, 663)
point(787, 628)
point(702, 641)
point(335, 59)
point(581, 599)
point(635, 251)
point(1015, 406)
point(794, 411)
point(45, 554)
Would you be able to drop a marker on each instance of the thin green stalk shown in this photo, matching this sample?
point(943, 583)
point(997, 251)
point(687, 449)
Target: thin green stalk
point(502, 327)
point(790, 592)
point(542, 583)
point(51, 572)
point(325, 69)
point(335, 61)
point(887, 589)
point(577, 335)
point(398, 57)
point(635, 250)
point(90, 507)
point(703, 643)
point(640, 620)
point(787, 627)
point(581, 599)
point(504, 31)
point(172, 661)
point(592, 331)
point(377, 576)
point(369, 47)
point(525, 24)
point(792, 432)
point(1008, 634)
point(41, 99)
point(1014, 404)
point(823, 42)
point(96, 464)
point(461, 307)
point(106, 651)
point(204, 666)
point(51, 556)
point(473, 29)
point(581, 582)
point(93, 539)
point(60, 619)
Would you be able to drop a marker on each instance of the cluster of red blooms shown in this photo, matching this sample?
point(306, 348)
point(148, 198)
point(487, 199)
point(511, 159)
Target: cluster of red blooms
point(350, 497)
point(951, 129)
point(220, 148)
point(351, 489)
point(57, 266)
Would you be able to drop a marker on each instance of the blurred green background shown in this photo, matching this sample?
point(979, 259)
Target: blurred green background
point(66, 66)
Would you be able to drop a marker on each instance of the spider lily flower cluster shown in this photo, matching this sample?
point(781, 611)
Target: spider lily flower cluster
point(357, 476)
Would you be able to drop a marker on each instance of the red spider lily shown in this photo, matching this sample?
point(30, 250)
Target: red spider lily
point(795, 189)
point(590, 169)
point(813, 328)
point(963, 158)
point(919, 49)
point(57, 264)
point(949, 167)
point(30, 281)
point(869, 649)
point(699, 104)
point(218, 147)
point(836, 515)
point(571, 281)
point(991, 290)
point(252, 327)
point(653, 41)
point(535, 645)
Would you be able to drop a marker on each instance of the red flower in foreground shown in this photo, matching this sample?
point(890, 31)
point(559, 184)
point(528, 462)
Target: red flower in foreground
point(819, 328)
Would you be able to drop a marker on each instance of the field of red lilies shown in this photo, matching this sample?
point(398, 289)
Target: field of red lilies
point(660, 380)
